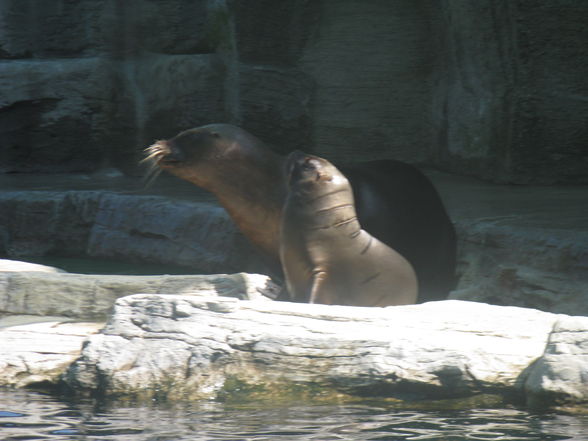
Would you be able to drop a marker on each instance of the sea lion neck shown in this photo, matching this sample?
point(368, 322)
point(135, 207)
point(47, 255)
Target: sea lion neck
point(253, 193)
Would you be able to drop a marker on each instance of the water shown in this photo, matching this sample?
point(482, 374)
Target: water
point(94, 265)
point(26, 415)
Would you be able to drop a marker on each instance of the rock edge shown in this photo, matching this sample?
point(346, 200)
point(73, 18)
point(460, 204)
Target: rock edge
point(201, 347)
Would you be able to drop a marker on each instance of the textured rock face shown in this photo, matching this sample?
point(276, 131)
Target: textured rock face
point(88, 84)
point(517, 247)
point(103, 224)
point(512, 90)
point(491, 88)
point(200, 345)
point(371, 65)
point(90, 297)
point(523, 266)
point(42, 328)
point(562, 373)
point(39, 351)
point(181, 347)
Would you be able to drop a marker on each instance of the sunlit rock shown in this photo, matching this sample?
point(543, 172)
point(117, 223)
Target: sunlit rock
point(562, 373)
point(37, 350)
point(86, 296)
point(16, 265)
point(197, 347)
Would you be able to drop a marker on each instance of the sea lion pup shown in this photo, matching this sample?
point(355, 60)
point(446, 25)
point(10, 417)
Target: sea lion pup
point(326, 256)
point(395, 202)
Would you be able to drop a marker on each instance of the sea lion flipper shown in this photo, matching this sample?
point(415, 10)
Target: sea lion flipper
point(317, 290)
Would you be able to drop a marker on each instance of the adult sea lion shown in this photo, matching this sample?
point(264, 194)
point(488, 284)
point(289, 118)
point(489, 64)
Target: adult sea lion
point(327, 258)
point(394, 201)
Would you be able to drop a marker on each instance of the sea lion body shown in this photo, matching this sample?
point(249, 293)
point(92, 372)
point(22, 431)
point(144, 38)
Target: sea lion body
point(326, 257)
point(394, 201)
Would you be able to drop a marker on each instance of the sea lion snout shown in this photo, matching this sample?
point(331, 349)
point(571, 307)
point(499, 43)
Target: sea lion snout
point(164, 154)
point(173, 155)
point(302, 167)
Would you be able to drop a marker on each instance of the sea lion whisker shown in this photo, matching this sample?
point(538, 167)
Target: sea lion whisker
point(152, 157)
point(152, 174)
point(155, 152)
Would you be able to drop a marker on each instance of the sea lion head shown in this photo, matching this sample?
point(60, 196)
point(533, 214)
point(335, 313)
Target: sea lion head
point(201, 154)
point(312, 174)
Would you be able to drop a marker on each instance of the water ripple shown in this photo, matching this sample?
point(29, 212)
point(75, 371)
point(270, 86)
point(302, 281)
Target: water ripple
point(33, 416)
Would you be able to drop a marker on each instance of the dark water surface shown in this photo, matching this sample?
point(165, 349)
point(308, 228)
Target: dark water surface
point(94, 265)
point(28, 415)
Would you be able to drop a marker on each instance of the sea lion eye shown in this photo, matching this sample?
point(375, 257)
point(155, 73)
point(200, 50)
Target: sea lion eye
point(215, 134)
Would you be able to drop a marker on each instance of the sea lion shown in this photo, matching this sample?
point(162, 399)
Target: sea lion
point(395, 202)
point(326, 257)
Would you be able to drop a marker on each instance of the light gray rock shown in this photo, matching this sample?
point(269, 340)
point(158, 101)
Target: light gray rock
point(561, 375)
point(199, 347)
point(126, 227)
point(36, 350)
point(198, 235)
point(513, 262)
point(17, 266)
point(86, 297)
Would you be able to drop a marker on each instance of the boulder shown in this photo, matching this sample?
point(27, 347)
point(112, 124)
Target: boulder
point(561, 375)
point(198, 235)
point(90, 297)
point(36, 351)
point(206, 347)
point(45, 317)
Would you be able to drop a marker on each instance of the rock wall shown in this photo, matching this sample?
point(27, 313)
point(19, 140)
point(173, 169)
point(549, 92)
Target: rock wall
point(114, 226)
point(503, 259)
point(496, 89)
point(512, 90)
point(88, 84)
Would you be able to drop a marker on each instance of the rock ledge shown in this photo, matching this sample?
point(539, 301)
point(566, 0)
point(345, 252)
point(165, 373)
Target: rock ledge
point(201, 347)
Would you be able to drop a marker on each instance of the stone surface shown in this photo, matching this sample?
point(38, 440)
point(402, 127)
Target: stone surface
point(88, 85)
point(91, 297)
point(510, 94)
point(47, 107)
point(37, 351)
point(562, 373)
point(197, 347)
point(375, 103)
point(518, 245)
point(496, 89)
point(104, 224)
point(17, 266)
